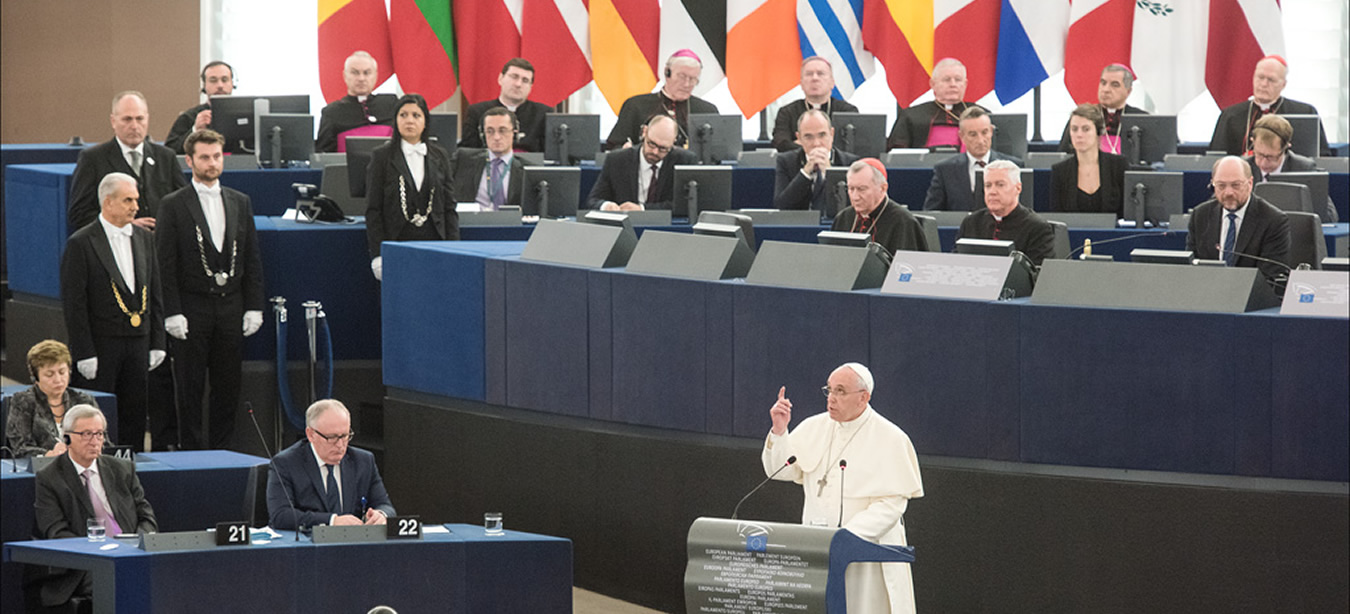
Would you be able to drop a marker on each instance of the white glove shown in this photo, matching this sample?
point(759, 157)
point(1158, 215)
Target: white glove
point(88, 367)
point(377, 267)
point(252, 322)
point(156, 357)
point(176, 326)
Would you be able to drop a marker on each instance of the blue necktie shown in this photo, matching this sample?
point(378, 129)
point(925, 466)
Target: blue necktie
point(1230, 239)
point(495, 192)
point(332, 498)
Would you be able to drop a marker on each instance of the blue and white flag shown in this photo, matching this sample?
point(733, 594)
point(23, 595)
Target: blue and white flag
point(1031, 37)
point(832, 29)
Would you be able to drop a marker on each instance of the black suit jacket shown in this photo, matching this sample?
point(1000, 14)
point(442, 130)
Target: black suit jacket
point(1294, 163)
point(88, 274)
point(1066, 146)
point(1064, 184)
point(182, 127)
point(62, 507)
point(1029, 232)
point(159, 176)
point(180, 255)
point(950, 189)
point(345, 113)
point(792, 190)
point(466, 166)
point(638, 109)
point(530, 114)
point(1231, 134)
point(384, 205)
point(894, 229)
point(618, 181)
point(1264, 232)
point(912, 124)
point(305, 484)
point(785, 123)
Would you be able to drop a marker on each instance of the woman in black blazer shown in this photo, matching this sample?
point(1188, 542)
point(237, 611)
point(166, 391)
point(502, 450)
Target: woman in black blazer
point(1091, 181)
point(409, 194)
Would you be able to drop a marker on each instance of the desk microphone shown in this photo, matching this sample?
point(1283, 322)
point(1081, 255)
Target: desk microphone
point(271, 465)
point(14, 458)
point(1223, 252)
point(842, 464)
point(790, 460)
point(1088, 244)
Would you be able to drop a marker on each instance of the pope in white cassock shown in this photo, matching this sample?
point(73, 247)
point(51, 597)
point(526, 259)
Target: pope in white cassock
point(883, 475)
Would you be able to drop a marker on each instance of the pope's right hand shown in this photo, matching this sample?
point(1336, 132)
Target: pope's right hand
point(781, 412)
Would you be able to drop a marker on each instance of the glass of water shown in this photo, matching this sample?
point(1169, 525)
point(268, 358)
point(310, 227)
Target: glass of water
point(492, 523)
point(97, 532)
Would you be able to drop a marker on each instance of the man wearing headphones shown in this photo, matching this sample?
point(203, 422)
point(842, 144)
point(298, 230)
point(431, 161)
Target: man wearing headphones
point(675, 99)
point(1271, 138)
point(516, 81)
point(217, 80)
point(490, 177)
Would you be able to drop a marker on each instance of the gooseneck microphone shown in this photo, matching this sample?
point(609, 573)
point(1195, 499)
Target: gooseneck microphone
point(790, 461)
point(271, 465)
point(842, 464)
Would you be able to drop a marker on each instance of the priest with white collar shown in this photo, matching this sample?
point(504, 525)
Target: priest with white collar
point(883, 475)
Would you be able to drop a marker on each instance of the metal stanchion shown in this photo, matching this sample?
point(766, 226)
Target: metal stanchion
point(312, 315)
point(283, 383)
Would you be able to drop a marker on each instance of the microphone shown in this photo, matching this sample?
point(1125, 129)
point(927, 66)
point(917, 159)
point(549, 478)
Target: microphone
point(790, 461)
point(1087, 243)
point(842, 464)
point(271, 465)
point(1223, 252)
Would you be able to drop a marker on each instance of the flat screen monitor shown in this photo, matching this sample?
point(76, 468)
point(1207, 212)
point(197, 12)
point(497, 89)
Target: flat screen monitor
point(235, 117)
point(570, 138)
point(1146, 140)
point(551, 192)
point(836, 198)
point(358, 160)
point(1307, 140)
point(286, 137)
point(984, 247)
point(444, 130)
point(701, 188)
point(714, 138)
point(843, 239)
point(862, 134)
point(1162, 256)
point(1010, 134)
point(1152, 198)
point(723, 218)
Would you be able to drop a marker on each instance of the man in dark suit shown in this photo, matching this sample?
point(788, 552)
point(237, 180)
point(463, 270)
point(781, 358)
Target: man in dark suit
point(359, 108)
point(1112, 91)
point(110, 296)
point(953, 184)
point(213, 290)
point(217, 80)
point(77, 487)
point(799, 174)
point(872, 212)
point(1004, 219)
point(490, 177)
point(516, 81)
point(642, 177)
point(1233, 131)
point(324, 481)
point(1271, 154)
point(1236, 224)
point(935, 123)
point(152, 166)
point(817, 86)
point(676, 99)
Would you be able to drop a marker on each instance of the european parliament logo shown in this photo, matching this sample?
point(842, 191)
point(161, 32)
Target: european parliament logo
point(757, 543)
point(1306, 294)
point(906, 272)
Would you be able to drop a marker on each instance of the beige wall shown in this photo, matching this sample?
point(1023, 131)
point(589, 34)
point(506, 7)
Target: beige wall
point(61, 61)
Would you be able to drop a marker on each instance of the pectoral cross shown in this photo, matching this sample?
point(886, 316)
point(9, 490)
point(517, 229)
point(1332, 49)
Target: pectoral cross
point(822, 482)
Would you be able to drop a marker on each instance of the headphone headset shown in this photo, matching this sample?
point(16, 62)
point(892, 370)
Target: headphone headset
point(515, 128)
point(66, 437)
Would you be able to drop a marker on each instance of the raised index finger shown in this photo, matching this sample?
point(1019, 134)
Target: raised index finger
point(781, 392)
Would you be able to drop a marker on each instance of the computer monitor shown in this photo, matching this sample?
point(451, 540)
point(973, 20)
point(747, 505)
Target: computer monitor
point(985, 247)
point(1162, 256)
point(551, 192)
point(723, 218)
point(235, 117)
point(843, 239)
point(862, 134)
point(701, 188)
point(714, 138)
point(286, 138)
point(1147, 139)
point(444, 130)
point(836, 186)
point(1010, 134)
point(1152, 197)
point(570, 138)
point(359, 149)
point(1307, 139)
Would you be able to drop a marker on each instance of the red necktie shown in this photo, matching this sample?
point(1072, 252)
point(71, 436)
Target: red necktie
point(651, 187)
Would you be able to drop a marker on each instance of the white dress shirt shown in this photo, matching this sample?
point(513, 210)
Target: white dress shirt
point(416, 157)
point(645, 177)
point(971, 167)
point(126, 155)
point(1224, 223)
point(91, 474)
point(120, 241)
point(213, 209)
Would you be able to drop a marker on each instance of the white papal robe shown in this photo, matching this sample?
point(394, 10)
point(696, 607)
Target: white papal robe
point(882, 476)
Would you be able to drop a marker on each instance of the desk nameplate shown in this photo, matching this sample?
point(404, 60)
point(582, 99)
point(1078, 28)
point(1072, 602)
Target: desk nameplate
point(1317, 293)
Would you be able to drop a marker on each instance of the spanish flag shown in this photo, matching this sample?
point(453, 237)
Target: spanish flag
point(624, 41)
point(900, 35)
point(346, 26)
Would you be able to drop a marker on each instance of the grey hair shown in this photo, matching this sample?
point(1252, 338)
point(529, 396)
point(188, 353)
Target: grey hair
point(878, 177)
point(1127, 78)
point(320, 407)
point(1005, 165)
point(680, 60)
point(946, 63)
point(123, 94)
point(361, 54)
point(80, 412)
point(864, 375)
point(108, 186)
point(816, 58)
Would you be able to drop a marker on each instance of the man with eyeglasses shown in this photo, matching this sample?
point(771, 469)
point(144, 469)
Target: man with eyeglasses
point(322, 480)
point(491, 177)
point(675, 99)
point(638, 178)
point(1271, 154)
point(883, 475)
point(84, 485)
point(1236, 224)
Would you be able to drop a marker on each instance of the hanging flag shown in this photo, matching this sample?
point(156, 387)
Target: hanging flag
point(700, 26)
point(763, 61)
point(422, 34)
point(1241, 32)
point(968, 31)
point(555, 37)
point(347, 26)
point(624, 43)
point(901, 38)
point(1030, 45)
point(1099, 34)
point(1168, 52)
point(488, 33)
point(832, 29)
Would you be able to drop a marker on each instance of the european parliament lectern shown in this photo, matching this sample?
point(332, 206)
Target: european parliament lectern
point(753, 566)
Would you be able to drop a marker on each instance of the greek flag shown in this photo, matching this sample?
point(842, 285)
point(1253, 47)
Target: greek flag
point(832, 29)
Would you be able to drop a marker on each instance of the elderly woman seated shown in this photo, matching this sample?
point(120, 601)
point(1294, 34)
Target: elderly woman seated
point(34, 425)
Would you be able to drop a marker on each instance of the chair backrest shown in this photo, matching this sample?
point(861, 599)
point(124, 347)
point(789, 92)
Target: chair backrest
point(1288, 197)
point(759, 158)
point(1306, 243)
point(255, 496)
point(929, 226)
point(1062, 245)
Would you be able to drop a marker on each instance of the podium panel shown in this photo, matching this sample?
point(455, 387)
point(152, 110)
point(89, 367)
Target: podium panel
point(962, 276)
point(587, 245)
point(817, 267)
point(1135, 285)
point(676, 254)
point(1317, 293)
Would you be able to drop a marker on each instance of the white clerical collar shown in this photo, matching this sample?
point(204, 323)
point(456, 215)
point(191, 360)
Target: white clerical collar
point(362, 98)
point(510, 107)
point(139, 148)
point(948, 106)
point(113, 230)
point(1264, 106)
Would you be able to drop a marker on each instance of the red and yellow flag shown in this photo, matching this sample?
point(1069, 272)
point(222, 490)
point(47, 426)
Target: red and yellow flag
point(346, 26)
